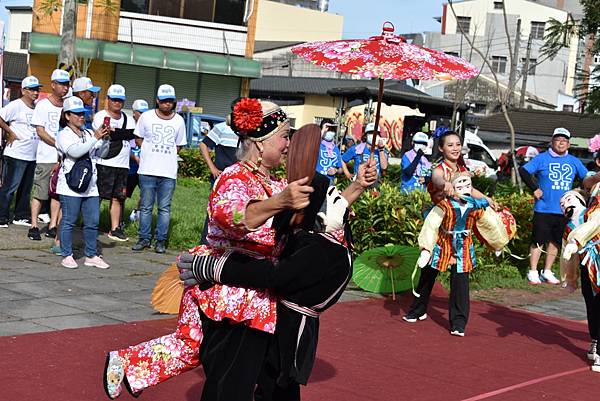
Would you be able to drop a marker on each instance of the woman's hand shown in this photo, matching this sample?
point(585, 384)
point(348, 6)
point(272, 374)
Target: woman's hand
point(449, 190)
point(367, 174)
point(295, 195)
point(101, 132)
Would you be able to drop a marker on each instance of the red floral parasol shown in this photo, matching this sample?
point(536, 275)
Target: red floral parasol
point(385, 57)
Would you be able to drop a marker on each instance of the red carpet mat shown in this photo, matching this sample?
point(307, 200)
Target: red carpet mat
point(366, 352)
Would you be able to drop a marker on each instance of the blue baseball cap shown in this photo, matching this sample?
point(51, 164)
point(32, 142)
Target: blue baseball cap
point(166, 92)
point(30, 82)
point(61, 76)
point(116, 92)
point(84, 84)
point(74, 105)
point(140, 105)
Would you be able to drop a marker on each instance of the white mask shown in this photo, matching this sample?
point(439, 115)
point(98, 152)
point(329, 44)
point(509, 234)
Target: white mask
point(572, 204)
point(369, 139)
point(329, 135)
point(333, 217)
point(419, 146)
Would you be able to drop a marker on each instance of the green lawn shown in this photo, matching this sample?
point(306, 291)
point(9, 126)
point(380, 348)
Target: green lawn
point(188, 211)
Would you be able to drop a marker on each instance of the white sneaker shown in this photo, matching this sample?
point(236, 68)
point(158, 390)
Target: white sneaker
point(593, 351)
point(596, 364)
point(22, 222)
point(548, 276)
point(44, 218)
point(69, 262)
point(135, 215)
point(534, 277)
point(96, 261)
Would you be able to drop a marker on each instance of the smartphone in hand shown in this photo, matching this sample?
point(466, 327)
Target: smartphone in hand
point(107, 122)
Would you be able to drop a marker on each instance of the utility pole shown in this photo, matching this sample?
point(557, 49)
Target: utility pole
point(513, 65)
point(69, 29)
point(525, 73)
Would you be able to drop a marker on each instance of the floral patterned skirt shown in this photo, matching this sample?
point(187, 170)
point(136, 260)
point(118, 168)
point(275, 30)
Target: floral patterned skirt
point(152, 362)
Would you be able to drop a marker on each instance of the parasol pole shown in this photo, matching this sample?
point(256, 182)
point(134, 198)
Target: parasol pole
point(377, 115)
point(393, 286)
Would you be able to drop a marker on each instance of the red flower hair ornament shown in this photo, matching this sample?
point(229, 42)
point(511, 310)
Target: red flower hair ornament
point(247, 115)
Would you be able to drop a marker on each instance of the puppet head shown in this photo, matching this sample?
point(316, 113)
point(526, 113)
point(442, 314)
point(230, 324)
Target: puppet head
point(462, 184)
point(572, 204)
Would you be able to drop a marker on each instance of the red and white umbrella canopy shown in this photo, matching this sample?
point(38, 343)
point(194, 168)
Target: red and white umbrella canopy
point(385, 57)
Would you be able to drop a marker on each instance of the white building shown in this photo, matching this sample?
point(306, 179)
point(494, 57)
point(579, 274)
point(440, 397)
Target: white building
point(483, 21)
point(19, 29)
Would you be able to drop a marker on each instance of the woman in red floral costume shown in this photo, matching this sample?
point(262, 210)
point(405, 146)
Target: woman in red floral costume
point(241, 205)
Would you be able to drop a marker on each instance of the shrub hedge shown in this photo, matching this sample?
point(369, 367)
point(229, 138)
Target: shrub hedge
point(387, 216)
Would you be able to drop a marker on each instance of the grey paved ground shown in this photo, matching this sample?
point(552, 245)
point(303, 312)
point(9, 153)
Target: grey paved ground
point(571, 307)
point(37, 294)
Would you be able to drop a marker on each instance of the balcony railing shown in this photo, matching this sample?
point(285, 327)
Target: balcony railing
point(182, 34)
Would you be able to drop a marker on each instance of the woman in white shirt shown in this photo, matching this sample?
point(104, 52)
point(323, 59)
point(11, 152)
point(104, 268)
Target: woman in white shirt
point(74, 142)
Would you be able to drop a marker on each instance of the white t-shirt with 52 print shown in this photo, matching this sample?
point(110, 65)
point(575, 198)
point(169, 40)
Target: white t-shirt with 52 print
point(122, 159)
point(18, 115)
point(46, 115)
point(158, 156)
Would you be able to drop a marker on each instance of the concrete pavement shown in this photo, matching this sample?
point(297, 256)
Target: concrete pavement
point(37, 294)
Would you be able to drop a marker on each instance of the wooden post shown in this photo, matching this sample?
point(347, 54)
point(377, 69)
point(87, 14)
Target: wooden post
point(250, 37)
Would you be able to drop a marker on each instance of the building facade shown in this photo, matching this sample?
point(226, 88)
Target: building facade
point(201, 47)
point(483, 22)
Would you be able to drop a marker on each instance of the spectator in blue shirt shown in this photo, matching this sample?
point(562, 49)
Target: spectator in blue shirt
point(549, 175)
point(360, 153)
point(329, 162)
point(415, 166)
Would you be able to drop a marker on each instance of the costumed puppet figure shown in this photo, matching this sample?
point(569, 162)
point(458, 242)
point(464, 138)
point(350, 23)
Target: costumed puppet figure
point(446, 242)
point(310, 276)
point(572, 204)
point(585, 239)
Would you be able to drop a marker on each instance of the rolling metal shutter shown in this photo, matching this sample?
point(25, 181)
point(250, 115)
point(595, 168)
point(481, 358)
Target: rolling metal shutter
point(185, 83)
point(217, 92)
point(139, 83)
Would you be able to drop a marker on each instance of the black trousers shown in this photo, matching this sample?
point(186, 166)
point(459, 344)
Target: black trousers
point(232, 356)
point(458, 301)
point(268, 389)
point(592, 305)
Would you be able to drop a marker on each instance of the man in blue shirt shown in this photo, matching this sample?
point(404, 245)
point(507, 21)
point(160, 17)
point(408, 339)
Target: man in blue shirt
point(360, 153)
point(549, 175)
point(415, 166)
point(329, 162)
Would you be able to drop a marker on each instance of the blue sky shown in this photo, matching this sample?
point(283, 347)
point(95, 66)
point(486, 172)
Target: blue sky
point(362, 18)
point(365, 18)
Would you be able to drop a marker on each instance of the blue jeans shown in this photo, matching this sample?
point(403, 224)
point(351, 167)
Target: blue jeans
point(160, 189)
point(90, 209)
point(16, 172)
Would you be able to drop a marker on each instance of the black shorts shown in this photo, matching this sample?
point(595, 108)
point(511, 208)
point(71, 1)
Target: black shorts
point(112, 182)
point(133, 180)
point(548, 227)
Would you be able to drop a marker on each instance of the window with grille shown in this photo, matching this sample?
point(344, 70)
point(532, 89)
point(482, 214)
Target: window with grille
point(499, 64)
point(537, 30)
point(464, 23)
point(531, 67)
point(25, 40)
point(498, 5)
point(568, 107)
